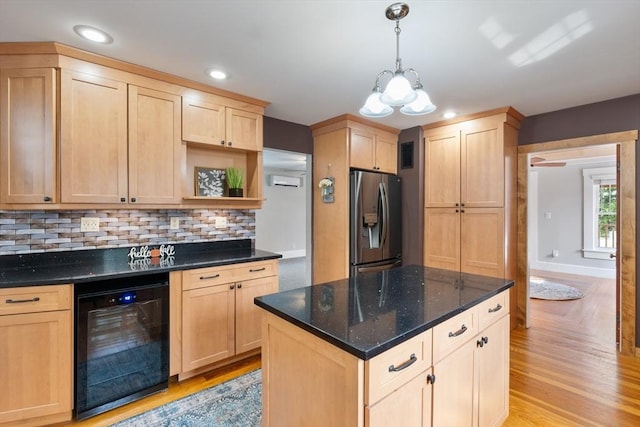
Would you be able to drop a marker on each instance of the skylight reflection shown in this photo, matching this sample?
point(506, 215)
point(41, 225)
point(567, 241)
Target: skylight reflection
point(558, 36)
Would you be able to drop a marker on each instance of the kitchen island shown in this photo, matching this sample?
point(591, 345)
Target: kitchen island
point(407, 346)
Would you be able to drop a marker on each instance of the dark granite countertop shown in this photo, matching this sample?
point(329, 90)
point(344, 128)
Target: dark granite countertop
point(373, 312)
point(50, 268)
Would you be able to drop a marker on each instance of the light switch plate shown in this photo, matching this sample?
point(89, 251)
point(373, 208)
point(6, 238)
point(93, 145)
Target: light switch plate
point(175, 223)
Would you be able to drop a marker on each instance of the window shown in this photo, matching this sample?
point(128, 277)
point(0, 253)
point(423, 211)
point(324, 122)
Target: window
point(607, 201)
point(600, 207)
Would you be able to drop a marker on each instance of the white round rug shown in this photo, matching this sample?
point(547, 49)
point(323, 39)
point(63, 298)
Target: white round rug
point(544, 289)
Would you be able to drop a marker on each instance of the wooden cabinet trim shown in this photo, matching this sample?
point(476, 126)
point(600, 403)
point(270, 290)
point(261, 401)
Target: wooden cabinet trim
point(53, 48)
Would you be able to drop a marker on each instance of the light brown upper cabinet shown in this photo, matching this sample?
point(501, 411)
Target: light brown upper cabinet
point(104, 158)
point(373, 150)
point(208, 122)
point(28, 167)
point(80, 130)
point(93, 139)
point(464, 165)
point(469, 193)
point(155, 152)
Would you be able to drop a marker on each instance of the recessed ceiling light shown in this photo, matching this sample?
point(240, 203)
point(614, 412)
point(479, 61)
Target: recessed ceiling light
point(93, 34)
point(449, 115)
point(218, 74)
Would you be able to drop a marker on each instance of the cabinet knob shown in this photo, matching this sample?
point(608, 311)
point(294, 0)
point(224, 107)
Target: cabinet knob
point(239, 285)
point(123, 199)
point(229, 143)
point(232, 287)
point(222, 142)
point(431, 379)
point(133, 200)
point(47, 198)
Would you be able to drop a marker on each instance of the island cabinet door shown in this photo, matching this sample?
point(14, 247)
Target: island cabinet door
point(208, 325)
point(409, 405)
point(249, 315)
point(493, 374)
point(453, 392)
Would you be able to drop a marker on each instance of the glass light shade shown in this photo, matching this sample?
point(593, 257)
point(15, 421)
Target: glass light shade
point(398, 92)
point(374, 108)
point(422, 105)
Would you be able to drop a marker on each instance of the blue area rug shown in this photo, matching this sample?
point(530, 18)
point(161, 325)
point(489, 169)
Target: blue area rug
point(237, 402)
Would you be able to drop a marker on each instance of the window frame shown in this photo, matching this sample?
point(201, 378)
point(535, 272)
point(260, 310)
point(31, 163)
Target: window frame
point(591, 181)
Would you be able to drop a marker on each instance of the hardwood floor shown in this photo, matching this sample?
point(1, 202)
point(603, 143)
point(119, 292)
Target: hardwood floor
point(564, 369)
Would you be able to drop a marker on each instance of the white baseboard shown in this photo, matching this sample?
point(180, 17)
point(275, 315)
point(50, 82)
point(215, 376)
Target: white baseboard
point(293, 254)
point(583, 270)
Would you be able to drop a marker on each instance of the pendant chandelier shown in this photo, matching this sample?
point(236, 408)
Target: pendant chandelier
point(399, 91)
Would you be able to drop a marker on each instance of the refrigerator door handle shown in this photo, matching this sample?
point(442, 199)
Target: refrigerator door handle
point(385, 214)
point(382, 267)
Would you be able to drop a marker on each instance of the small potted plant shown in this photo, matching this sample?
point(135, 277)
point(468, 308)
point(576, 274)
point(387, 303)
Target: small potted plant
point(234, 181)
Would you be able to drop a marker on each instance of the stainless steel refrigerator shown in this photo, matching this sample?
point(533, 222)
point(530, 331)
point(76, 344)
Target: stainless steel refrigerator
point(375, 222)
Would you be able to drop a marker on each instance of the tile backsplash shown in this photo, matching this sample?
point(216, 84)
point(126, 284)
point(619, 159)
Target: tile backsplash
point(40, 231)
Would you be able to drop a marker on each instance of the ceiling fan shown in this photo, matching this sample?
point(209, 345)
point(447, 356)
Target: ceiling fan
point(541, 162)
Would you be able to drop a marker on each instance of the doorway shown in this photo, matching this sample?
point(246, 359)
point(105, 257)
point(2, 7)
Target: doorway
point(627, 213)
point(283, 225)
point(572, 243)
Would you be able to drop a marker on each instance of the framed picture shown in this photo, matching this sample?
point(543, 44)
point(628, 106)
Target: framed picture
point(209, 182)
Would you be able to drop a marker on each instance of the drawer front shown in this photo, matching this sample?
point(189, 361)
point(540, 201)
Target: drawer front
point(451, 334)
point(493, 309)
point(204, 277)
point(34, 299)
point(211, 276)
point(391, 369)
point(255, 270)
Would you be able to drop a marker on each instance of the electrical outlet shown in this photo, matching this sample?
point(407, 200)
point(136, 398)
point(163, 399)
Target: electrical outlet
point(555, 253)
point(175, 223)
point(220, 222)
point(89, 224)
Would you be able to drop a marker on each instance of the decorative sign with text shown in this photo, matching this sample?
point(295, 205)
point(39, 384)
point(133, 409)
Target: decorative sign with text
point(143, 257)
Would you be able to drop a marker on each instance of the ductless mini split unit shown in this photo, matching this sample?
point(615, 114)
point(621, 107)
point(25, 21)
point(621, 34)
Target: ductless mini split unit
point(285, 181)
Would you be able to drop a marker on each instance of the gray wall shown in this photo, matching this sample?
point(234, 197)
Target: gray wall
point(287, 136)
point(560, 193)
point(282, 221)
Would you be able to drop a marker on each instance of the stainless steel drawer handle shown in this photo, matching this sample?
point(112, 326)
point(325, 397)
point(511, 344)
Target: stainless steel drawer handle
point(213, 276)
point(459, 332)
point(498, 308)
point(18, 301)
point(412, 359)
point(255, 270)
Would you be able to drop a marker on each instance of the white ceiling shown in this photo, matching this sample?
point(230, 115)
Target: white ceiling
point(313, 60)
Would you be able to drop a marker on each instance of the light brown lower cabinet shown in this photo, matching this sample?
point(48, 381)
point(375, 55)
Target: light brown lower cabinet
point(409, 405)
point(472, 376)
point(455, 374)
point(219, 318)
point(35, 355)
